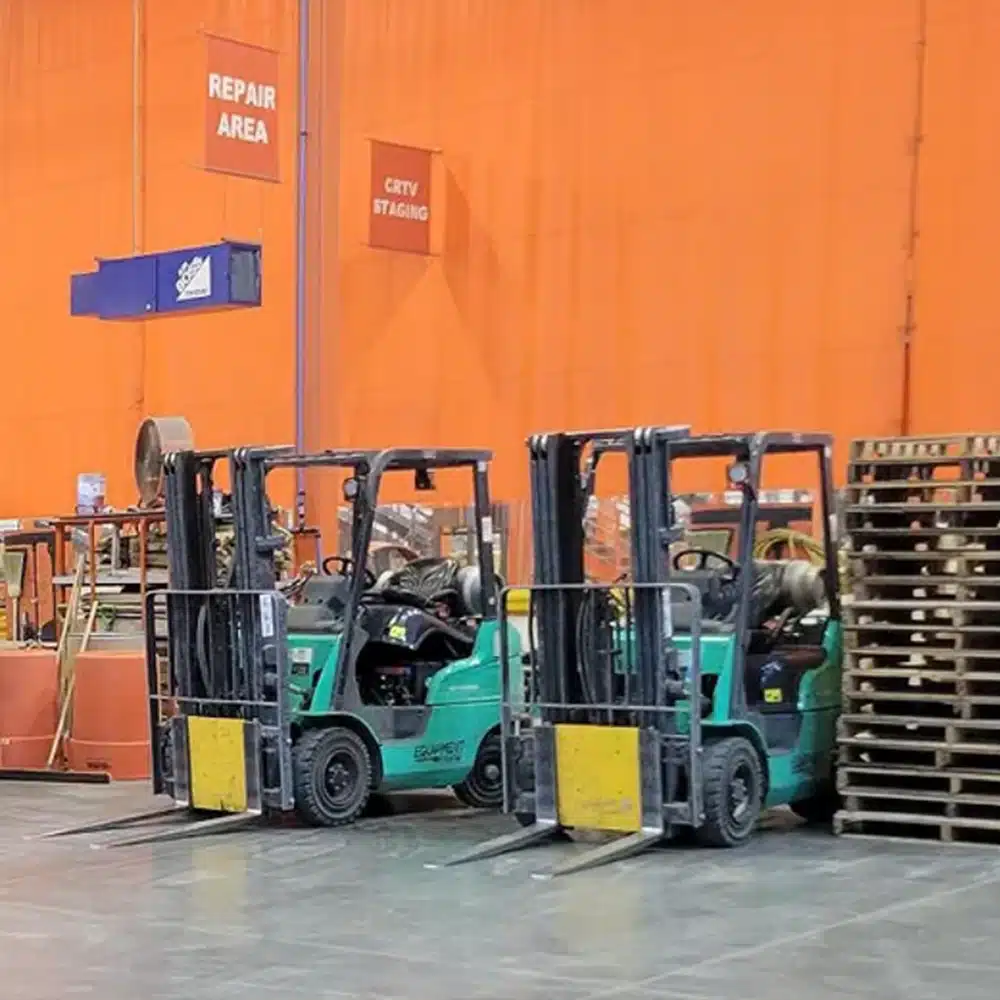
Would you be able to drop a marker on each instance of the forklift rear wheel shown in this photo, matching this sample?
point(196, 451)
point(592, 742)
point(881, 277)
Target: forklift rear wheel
point(733, 792)
point(820, 808)
point(333, 776)
point(483, 786)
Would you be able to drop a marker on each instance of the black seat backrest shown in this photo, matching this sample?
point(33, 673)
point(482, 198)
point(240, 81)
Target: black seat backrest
point(425, 577)
point(435, 576)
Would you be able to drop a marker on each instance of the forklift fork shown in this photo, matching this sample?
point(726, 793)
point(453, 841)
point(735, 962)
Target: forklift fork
point(170, 826)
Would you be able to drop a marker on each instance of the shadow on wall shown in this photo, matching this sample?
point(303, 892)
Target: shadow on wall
point(482, 323)
point(381, 282)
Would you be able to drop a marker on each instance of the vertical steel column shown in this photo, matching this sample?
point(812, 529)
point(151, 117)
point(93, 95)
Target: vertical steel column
point(301, 221)
point(138, 31)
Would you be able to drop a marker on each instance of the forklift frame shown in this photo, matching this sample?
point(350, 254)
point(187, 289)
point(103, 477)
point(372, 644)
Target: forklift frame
point(640, 727)
point(256, 545)
point(651, 452)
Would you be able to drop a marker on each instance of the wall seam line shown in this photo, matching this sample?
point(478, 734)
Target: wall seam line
point(912, 246)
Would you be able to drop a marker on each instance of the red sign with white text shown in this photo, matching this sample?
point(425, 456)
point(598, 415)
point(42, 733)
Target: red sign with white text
point(241, 109)
point(400, 205)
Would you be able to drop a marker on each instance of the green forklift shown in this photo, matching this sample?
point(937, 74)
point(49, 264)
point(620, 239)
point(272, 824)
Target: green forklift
point(307, 705)
point(687, 698)
point(394, 681)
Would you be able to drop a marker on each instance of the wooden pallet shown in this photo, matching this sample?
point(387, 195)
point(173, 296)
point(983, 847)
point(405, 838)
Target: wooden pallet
point(888, 705)
point(908, 826)
point(913, 555)
point(905, 801)
point(939, 589)
point(918, 494)
point(979, 518)
point(923, 649)
point(869, 631)
point(985, 732)
point(939, 780)
point(922, 613)
point(918, 740)
point(924, 448)
point(906, 684)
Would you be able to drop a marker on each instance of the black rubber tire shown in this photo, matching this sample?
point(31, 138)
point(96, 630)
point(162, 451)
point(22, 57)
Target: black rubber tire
point(733, 793)
point(818, 810)
point(166, 735)
point(312, 758)
point(483, 786)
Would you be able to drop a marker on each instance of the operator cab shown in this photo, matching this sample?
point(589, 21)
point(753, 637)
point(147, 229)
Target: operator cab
point(781, 591)
point(776, 609)
point(410, 620)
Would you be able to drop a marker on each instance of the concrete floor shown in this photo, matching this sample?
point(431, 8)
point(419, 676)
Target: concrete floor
point(292, 913)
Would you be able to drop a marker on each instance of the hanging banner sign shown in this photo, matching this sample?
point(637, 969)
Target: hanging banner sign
point(400, 202)
point(241, 109)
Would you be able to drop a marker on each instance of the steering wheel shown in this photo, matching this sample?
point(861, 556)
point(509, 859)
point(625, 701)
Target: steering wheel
point(703, 556)
point(344, 564)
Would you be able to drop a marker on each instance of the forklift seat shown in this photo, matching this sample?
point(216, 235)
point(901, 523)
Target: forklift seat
point(460, 587)
point(425, 577)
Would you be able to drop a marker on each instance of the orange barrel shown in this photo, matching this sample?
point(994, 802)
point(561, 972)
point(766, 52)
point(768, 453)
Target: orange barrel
point(110, 730)
point(29, 686)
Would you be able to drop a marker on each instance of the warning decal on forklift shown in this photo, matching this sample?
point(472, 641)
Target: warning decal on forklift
point(772, 696)
point(302, 657)
point(266, 616)
point(447, 752)
point(403, 628)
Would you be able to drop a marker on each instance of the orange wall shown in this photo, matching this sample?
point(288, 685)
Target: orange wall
point(645, 210)
point(76, 389)
point(654, 211)
point(956, 343)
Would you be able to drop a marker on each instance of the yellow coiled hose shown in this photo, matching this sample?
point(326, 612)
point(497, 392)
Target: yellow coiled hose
point(797, 545)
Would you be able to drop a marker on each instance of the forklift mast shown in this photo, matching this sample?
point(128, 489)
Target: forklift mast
point(606, 734)
point(225, 644)
point(189, 486)
point(563, 469)
point(631, 756)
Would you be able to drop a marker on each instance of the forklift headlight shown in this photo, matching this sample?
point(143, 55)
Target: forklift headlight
point(739, 473)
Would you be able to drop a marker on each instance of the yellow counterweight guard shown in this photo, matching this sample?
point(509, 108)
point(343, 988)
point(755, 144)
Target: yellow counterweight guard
point(598, 777)
point(217, 752)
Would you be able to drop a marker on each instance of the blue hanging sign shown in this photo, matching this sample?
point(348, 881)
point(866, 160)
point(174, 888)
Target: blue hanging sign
point(223, 275)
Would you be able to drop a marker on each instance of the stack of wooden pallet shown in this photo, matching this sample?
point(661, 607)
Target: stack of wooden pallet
point(920, 734)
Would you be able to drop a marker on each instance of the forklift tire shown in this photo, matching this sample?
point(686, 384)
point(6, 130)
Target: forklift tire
point(819, 809)
point(333, 775)
point(733, 793)
point(483, 786)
